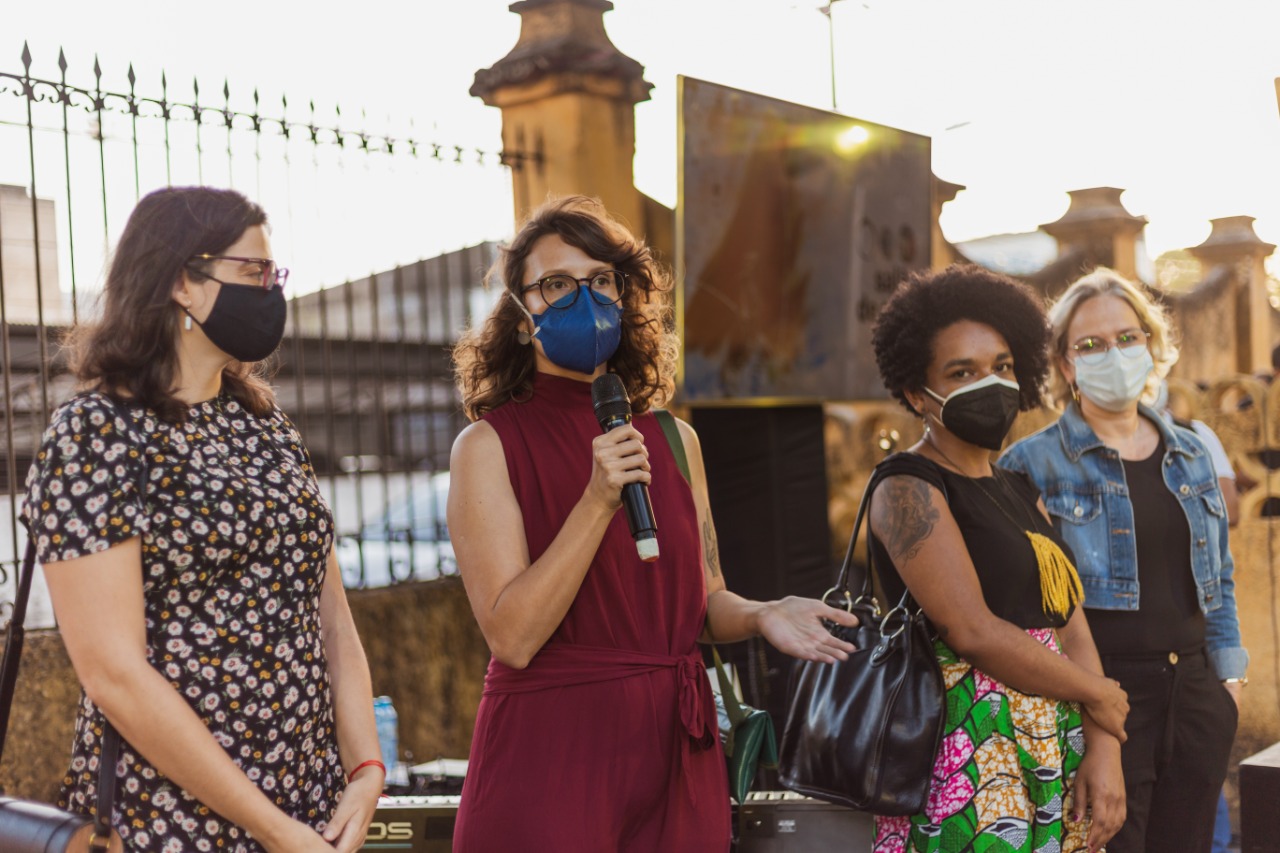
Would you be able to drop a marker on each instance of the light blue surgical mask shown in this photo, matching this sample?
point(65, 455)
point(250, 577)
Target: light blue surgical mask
point(1117, 380)
point(581, 337)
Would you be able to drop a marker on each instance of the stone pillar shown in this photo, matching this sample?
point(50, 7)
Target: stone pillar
point(568, 96)
point(1233, 244)
point(1098, 223)
point(942, 253)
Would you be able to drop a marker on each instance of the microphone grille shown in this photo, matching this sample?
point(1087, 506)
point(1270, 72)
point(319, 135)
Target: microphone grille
point(609, 396)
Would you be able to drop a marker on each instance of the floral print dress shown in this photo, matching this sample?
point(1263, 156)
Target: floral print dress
point(235, 539)
point(1002, 779)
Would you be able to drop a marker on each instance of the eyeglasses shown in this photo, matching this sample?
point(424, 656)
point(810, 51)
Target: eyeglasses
point(561, 291)
point(264, 269)
point(1092, 350)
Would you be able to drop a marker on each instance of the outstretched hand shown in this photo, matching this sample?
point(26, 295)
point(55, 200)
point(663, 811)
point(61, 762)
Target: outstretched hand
point(795, 626)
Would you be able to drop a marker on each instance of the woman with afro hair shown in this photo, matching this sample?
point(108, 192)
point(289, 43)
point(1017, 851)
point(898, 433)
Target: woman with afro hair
point(965, 349)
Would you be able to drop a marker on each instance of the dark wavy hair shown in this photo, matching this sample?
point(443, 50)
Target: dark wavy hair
point(928, 302)
point(131, 352)
point(491, 367)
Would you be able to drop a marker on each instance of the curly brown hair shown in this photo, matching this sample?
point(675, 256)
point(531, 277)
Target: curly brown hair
point(131, 352)
point(930, 301)
point(492, 367)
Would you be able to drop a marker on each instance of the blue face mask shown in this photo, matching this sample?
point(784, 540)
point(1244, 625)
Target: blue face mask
point(581, 337)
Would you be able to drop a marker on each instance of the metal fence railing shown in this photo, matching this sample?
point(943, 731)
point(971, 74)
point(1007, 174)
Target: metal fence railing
point(364, 368)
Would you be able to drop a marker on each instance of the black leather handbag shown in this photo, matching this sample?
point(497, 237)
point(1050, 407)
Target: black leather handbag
point(28, 826)
point(864, 732)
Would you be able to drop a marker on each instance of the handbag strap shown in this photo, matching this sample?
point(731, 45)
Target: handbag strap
point(15, 639)
point(881, 473)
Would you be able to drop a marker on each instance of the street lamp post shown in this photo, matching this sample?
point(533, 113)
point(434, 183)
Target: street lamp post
point(831, 36)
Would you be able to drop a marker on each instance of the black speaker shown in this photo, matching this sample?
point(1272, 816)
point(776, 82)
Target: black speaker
point(1259, 793)
point(783, 822)
point(767, 480)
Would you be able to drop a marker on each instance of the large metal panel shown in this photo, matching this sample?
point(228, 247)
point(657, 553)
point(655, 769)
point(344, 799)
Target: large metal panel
point(794, 225)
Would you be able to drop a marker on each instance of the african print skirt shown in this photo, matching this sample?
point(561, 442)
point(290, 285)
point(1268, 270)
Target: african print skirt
point(1003, 774)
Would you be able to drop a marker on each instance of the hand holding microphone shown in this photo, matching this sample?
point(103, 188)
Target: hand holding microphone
point(613, 410)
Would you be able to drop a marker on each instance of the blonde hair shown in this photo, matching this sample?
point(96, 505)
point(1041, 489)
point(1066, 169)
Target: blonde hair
point(1151, 315)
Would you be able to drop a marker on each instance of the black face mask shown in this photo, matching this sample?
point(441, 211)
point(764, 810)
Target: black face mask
point(981, 413)
point(246, 321)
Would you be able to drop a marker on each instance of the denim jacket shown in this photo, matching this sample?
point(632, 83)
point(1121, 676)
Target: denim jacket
point(1084, 489)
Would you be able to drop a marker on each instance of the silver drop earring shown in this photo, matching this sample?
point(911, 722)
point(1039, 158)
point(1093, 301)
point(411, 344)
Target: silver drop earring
point(523, 338)
point(186, 324)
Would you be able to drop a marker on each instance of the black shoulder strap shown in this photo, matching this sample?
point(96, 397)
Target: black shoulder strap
point(14, 642)
point(908, 464)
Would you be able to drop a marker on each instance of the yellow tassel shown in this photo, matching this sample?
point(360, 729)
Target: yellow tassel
point(1060, 587)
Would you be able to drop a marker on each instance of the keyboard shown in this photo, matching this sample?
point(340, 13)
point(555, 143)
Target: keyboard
point(413, 824)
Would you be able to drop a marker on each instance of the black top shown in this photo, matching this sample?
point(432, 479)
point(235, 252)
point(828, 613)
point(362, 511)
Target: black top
point(1168, 617)
point(1000, 550)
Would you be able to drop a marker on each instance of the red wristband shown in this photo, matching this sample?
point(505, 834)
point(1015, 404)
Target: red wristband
point(372, 762)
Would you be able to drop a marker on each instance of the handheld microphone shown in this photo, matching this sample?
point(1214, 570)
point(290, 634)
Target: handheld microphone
point(613, 409)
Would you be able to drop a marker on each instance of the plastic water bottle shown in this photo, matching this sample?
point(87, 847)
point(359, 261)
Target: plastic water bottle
point(384, 715)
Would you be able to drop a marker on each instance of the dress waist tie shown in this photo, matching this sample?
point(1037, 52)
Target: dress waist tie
point(566, 665)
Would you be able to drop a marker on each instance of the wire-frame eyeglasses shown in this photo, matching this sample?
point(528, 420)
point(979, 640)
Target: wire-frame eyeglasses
point(269, 275)
point(1092, 350)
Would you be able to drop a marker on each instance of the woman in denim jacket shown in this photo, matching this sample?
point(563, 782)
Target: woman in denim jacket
point(1138, 501)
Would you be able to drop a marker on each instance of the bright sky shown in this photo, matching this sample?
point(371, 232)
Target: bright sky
point(1170, 99)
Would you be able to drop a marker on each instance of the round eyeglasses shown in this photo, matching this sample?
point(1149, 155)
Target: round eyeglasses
point(266, 272)
point(1092, 350)
point(561, 291)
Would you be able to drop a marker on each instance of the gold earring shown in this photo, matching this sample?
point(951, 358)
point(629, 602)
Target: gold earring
point(1075, 392)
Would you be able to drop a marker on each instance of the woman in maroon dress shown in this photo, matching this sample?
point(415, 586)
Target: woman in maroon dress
point(597, 727)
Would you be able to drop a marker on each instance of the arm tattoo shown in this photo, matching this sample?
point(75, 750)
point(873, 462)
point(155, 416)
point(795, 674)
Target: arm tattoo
point(907, 515)
point(710, 550)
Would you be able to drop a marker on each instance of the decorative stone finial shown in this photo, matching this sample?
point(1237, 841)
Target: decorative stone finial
point(1231, 239)
point(563, 40)
point(1095, 211)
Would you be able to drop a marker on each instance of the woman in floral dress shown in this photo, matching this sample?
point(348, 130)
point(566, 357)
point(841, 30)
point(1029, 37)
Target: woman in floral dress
point(189, 557)
point(1029, 760)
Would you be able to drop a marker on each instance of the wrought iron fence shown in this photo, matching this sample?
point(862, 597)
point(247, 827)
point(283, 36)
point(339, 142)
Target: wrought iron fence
point(364, 368)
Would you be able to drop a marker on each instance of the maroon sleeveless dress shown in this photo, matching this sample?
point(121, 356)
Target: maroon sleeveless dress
point(607, 740)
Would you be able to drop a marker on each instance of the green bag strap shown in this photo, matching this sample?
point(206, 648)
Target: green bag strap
point(667, 421)
point(732, 707)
